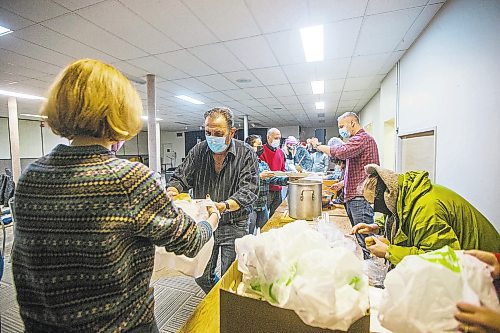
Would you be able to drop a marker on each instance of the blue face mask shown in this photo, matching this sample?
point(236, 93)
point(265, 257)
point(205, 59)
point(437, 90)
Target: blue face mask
point(344, 133)
point(217, 144)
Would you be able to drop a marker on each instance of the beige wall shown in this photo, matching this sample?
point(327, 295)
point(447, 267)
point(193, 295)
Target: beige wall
point(450, 79)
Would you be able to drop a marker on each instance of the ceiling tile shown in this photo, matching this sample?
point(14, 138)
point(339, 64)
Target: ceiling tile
point(270, 102)
point(334, 85)
point(186, 62)
point(174, 19)
point(353, 95)
point(287, 47)
point(362, 83)
point(382, 33)
point(419, 25)
point(340, 38)
point(9, 42)
point(41, 35)
point(383, 6)
point(251, 102)
point(300, 72)
point(368, 65)
point(20, 60)
point(218, 57)
point(194, 85)
point(238, 24)
point(258, 92)
point(217, 81)
point(390, 62)
point(76, 4)
point(129, 69)
point(278, 15)
point(288, 100)
point(218, 96)
point(270, 76)
point(281, 90)
point(156, 42)
point(254, 52)
point(12, 21)
point(155, 66)
point(335, 10)
point(36, 11)
point(82, 30)
point(237, 94)
point(303, 88)
point(332, 69)
point(233, 76)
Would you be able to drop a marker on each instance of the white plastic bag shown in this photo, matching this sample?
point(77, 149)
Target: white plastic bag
point(421, 293)
point(295, 268)
point(167, 262)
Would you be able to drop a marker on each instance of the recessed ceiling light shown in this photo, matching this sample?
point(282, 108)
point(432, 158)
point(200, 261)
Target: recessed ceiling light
point(146, 118)
point(243, 80)
point(320, 105)
point(14, 94)
point(318, 87)
point(320, 115)
point(277, 108)
point(33, 115)
point(4, 31)
point(189, 99)
point(312, 42)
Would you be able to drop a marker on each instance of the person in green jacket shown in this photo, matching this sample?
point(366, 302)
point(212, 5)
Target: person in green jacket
point(421, 216)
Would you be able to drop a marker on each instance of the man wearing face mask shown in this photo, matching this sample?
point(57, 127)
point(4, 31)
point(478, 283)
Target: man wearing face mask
point(360, 150)
point(227, 170)
point(260, 214)
point(275, 159)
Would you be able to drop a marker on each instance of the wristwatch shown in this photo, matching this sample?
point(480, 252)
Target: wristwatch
point(227, 206)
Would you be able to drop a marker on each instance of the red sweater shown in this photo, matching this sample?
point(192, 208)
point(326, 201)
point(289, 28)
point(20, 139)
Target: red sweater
point(276, 161)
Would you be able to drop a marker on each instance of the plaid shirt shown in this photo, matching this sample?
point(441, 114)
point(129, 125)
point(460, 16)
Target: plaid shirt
point(360, 150)
point(261, 202)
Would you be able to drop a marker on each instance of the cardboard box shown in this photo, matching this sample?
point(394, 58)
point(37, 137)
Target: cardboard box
point(241, 314)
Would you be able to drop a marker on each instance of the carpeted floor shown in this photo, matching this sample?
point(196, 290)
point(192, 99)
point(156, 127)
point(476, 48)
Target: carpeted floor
point(175, 299)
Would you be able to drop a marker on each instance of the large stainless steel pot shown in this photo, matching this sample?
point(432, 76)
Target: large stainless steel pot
point(304, 199)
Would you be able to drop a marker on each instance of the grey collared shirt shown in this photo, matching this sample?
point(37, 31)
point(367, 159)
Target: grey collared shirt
point(237, 180)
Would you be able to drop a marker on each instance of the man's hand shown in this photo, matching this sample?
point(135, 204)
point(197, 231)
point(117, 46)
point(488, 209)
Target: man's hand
point(365, 228)
point(172, 192)
point(266, 174)
point(338, 186)
point(475, 318)
point(379, 249)
point(488, 258)
point(221, 206)
point(313, 141)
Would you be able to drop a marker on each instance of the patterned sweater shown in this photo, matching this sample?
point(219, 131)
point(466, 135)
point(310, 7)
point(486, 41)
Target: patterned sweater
point(86, 223)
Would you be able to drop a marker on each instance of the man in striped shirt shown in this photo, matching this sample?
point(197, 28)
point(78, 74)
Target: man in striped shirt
point(360, 150)
point(227, 170)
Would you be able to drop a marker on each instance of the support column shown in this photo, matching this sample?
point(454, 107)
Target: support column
point(15, 155)
point(245, 127)
point(153, 133)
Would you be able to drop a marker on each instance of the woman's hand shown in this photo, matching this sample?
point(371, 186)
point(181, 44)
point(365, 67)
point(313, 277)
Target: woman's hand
point(379, 249)
point(364, 228)
point(475, 318)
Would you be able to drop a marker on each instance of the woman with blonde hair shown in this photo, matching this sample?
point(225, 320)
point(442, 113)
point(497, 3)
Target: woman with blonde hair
point(86, 221)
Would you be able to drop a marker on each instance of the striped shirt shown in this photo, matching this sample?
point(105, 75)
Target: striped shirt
point(86, 225)
point(238, 179)
point(360, 150)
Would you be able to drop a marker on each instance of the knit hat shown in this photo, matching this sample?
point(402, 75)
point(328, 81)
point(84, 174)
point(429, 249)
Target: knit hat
point(390, 179)
point(291, 140)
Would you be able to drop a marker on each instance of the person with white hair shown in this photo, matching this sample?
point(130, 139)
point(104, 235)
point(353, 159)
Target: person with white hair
point(275, 159)
point(360, 150)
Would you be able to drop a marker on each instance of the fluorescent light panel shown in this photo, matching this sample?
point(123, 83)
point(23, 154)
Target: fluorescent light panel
point(312, 42)
point(19, 95)
point(4, 31)
point(146, 118)
point(33, 115)
point(189, 99)
point(318, 87)
point(320, 105)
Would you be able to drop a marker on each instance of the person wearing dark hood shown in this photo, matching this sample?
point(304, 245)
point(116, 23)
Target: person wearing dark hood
point(421, 216)
point(260, 214)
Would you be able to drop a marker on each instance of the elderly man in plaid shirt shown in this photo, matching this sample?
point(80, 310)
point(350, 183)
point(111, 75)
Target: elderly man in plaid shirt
point(360, 150)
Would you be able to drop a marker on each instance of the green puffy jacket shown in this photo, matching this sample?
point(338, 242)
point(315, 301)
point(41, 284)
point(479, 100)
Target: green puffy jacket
point(432, 216)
